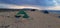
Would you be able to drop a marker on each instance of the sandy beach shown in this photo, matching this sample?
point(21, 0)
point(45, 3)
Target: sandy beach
point(39, 20)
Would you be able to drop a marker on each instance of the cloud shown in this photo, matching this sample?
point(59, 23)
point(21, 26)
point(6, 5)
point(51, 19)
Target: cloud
point(31, 2)
point(11, 6)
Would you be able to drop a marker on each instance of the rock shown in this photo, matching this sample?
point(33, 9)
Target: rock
point(33, 10)
point(45, 12)
point(58, 16)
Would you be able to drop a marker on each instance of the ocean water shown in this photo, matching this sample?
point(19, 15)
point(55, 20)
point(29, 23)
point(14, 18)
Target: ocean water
point(54, 11)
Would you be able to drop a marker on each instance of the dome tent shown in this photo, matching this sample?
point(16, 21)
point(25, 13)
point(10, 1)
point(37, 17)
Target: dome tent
point(22, 12)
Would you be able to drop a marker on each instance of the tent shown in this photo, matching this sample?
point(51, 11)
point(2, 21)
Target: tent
point(22, 12)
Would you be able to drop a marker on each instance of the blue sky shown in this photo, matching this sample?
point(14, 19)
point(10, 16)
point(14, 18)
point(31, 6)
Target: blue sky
point(43, 3)
point(31, 2)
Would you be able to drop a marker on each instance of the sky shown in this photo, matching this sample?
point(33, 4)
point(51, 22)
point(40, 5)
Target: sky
point(36, 4)
point(32, 2)
point(40, 4)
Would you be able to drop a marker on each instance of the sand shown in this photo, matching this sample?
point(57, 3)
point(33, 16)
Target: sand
point(39, 20)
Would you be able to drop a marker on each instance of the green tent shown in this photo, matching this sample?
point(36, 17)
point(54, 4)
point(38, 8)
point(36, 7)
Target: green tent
point(22, 12)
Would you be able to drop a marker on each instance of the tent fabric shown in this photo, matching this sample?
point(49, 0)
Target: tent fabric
point(22, 12)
